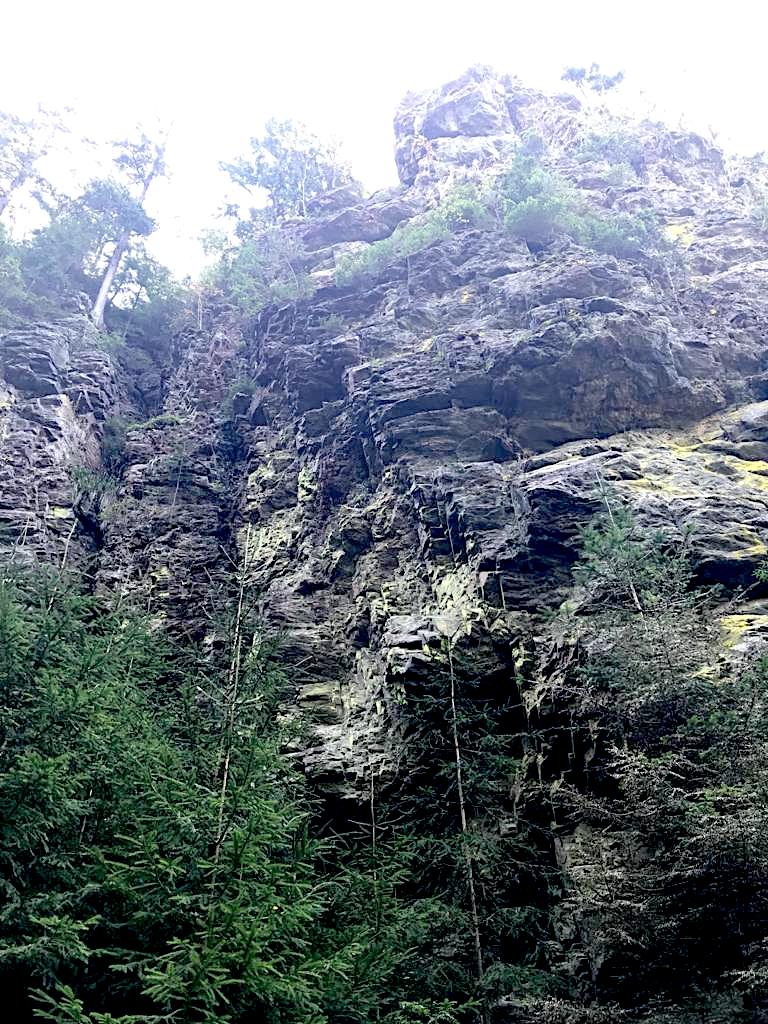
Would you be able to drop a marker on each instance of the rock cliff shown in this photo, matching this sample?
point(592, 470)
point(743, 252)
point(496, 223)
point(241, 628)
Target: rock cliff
point(412, 458)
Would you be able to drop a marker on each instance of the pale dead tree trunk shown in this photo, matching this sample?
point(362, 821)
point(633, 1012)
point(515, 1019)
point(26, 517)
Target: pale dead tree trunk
point(475, 916)
point(303, 189)
point(100, 305)
point(231, 699)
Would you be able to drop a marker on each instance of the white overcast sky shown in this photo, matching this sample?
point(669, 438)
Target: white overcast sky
point(219, 69)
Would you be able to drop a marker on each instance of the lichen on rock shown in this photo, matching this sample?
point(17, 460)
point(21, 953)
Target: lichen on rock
point(414, 455)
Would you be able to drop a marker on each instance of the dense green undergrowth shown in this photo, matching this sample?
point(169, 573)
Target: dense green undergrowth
point(579, 837)
point(265, 268)
point(161, 859)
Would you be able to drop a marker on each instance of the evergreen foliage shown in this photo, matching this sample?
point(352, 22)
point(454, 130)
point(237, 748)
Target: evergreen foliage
point(581, 837)
point(89, 254)
point(574, 841)
point(617, 146)
point(264, 268)
point(23, 146)
point(593, 78)
point(154, 850)
point(666, 883)
point(290, 167)
point(407, 239)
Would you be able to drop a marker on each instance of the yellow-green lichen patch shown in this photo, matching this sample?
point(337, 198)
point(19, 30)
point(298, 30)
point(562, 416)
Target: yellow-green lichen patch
point(686, 470)
point(456, 594)
point(749, 474)
point(60, 512)
point(665, 485)
point(259, 543)
point(683, 450)
point(390, 600)
point(264, 472)
point(680, 232)
point(754, 547)
point(160, 578)
point(737, 627)
point(753, 474)
point(273, 470)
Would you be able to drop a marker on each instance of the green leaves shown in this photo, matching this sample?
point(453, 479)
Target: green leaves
point(667, 817)
point(266, 267)
point(406, 240)
point(134, 885)
point(593, 78)
point(157, 853)
point(525, 199)
point(23, 145)
point(291, 166)
point(86, 234)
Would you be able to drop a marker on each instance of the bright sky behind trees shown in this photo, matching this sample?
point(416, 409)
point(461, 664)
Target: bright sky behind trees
point(219, 70)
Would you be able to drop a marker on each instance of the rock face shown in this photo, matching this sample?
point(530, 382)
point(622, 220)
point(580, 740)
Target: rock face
point(413, 459)
point(57, 386)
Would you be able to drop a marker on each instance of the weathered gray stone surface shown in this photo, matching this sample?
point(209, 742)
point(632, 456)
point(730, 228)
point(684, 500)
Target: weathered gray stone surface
point(413, 459)
point(56, 388)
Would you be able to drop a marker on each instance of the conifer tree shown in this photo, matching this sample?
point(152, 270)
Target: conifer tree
point(666, 880)
point(154, 855)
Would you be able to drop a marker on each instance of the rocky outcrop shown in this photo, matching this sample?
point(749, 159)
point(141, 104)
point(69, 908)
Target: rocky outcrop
point(57, 386)
point(405, 461)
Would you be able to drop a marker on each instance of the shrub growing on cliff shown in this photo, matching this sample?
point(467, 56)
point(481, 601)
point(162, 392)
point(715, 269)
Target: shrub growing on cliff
point(462, 208)
point(533, 202)
point(264, 268)
point(406, 240)
point(621, 234)
point(465, 206)
point(113, 441)
point(617, 146)
point(529, 201)
point(13, 294)
point(538, 204)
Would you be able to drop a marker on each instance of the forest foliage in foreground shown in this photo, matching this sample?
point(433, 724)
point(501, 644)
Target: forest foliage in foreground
point(584, 840)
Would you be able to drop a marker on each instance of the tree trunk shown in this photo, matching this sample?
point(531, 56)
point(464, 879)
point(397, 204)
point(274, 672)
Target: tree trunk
point(100, 305)
point(475, 916)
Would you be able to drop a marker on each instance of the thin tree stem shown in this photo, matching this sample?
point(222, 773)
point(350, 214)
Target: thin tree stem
point(464, 828)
